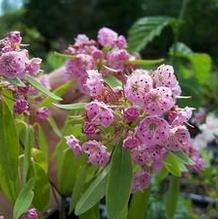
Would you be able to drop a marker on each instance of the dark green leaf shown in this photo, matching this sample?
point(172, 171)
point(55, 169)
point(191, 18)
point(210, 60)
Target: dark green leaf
point(73, 106)
point(93, 194)
point(9, 145)
point(41, 88)
point(42, 188)
point(119, 182)
point(172, 197)
point(77, 189)
point(144, 30)
point(24, 199)
point(139, 204)
point(93, 213)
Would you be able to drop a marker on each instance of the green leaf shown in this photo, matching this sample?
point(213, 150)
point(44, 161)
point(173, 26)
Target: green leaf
point(17, 82)
point(139, 204)
point(180, 50)
point(42, 187)
point(28, 144)
point(93, 213)
point(119, 182)
point(66, 175)
point(54, 126)
point(93, 194)
point(144, 30)
point(172, 197)
point(145, 62)
point(183, 157)
point(73, 106)
point(201, 64)
point(41, 88)
point(60, 91)
point(172, 164)
point(112, 81)
point(24, 199)
point(77, 189)
point(9, 145)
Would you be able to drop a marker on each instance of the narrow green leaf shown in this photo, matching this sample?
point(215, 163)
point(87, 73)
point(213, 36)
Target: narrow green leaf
point(24, 199)
point(41, 88)
point(54, 126)
point(60, 91)
point(77, 189)
point(17, 82)
point(9, 145)
point(144, 30)
point(93, 194)
point(73, 106)
point(143, 62)
point(172, 197)
point(28, 144)
point(139, 204)
point(119, 182)
point(112, 81)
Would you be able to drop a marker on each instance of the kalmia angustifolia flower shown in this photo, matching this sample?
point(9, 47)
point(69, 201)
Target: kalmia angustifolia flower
point(32, 214)
point(42, 114)
point(140, 111)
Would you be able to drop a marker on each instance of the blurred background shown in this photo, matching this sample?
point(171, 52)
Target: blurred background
point(190, 43)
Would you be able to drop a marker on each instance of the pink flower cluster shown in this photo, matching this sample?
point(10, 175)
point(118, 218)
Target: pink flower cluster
point(14, 61)
point(107, 53)
point(142, 112)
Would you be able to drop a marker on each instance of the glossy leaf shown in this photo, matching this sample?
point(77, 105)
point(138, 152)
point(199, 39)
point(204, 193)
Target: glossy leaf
point(24, 199)
point(41, 88)
point(119, 182)
point(112, 81)
point(17, 82)
point(93, 194)
point(172, 164)
point(145, 63)
point(144, 30)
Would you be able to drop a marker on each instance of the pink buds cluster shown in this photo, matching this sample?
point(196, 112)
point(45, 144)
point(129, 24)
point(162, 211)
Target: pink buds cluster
point(142, 112)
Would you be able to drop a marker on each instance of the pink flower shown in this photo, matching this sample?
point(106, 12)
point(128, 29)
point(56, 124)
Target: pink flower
point(117, 59)
point(183, 115)
point(131, 141)
point(137, 85)
point(158, 101)
point(97, 153)
point(131, 113)
point(121, 42)
point(164, 77)
point(98, 113)
point(180, 138)
point(89, 129)
point(141, 180)
point(15, 37)
point(74, 144)
point(32, 214)
point(94, 83)
point(21, 106)
point(33, 66)
point(153, 130)
point(42, 114)
point(12, 64)
point(107, 37)
point(44, 80)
